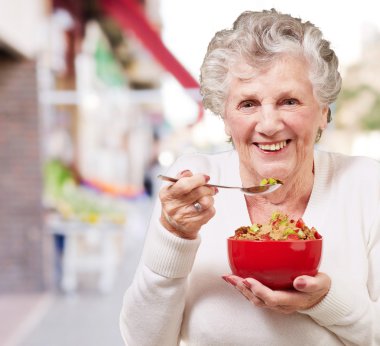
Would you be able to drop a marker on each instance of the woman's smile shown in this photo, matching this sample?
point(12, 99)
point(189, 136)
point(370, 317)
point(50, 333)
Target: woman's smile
point(272, 147)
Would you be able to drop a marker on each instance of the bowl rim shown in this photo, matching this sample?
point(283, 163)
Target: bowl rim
point(276, 241)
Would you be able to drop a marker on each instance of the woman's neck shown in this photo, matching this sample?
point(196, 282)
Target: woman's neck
point(292, 198)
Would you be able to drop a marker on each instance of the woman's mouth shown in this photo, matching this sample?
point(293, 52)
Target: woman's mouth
point(272, 147)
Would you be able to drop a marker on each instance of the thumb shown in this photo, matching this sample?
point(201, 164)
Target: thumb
point(185, 173)
point(306, 284)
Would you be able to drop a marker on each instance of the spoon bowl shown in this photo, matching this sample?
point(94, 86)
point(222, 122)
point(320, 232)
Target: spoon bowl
point(252, 190)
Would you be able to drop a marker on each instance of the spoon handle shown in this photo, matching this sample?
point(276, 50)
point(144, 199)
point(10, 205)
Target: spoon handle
point(174, 180)
point(253, 190)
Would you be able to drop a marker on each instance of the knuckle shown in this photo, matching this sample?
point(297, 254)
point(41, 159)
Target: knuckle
point(181, 186)
point(209, 213)
point(184, 173)
point(212, 211)
point(256, 301)
point(162, 193)
point(208, 190)
point(207, 202)
point(271, 301)
point(200, 178)
point(171, 210)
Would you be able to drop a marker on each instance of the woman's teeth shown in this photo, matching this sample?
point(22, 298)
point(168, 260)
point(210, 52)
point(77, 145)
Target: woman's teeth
point(272, 147)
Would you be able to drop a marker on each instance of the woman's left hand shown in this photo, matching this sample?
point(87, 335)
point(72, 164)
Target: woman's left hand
point(308, 291)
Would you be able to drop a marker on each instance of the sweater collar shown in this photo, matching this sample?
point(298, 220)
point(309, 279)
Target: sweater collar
point(322, 175)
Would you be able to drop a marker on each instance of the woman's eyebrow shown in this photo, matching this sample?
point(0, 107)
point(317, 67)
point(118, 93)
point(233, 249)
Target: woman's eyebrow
point(279, 95)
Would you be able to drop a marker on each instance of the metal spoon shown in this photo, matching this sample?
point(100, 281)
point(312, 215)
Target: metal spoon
point(253, 190)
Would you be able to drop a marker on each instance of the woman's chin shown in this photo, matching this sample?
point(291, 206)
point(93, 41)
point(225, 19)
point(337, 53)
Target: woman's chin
point(275, 172)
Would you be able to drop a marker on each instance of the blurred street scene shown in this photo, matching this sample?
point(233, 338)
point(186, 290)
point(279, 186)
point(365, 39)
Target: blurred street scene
point(97, 97)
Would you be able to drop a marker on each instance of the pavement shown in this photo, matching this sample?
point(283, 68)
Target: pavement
point(85, 317)
point(20, 313)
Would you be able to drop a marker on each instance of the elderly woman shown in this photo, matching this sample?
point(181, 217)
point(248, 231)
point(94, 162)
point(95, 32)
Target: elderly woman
point(271, 78)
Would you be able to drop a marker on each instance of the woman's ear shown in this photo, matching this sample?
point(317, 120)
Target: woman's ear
point(326, 117)
point(227, 130)
point(329, 117)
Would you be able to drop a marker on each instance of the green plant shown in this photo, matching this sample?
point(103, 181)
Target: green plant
point(371, 120)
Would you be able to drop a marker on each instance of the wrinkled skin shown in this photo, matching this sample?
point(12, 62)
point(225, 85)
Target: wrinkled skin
point(276, 106)
point(178, 214)
point(308, 291)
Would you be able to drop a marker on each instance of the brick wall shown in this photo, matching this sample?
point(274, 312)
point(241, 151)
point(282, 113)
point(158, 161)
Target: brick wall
point(22, 239)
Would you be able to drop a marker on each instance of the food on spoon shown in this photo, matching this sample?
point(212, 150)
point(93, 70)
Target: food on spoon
point(279, 227)
point(270, 181)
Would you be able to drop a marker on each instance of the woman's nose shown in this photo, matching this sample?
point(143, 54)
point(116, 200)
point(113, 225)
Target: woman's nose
point(269, 121)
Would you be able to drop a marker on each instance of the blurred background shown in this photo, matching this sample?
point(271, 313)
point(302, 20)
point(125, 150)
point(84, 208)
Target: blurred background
point(97, 97)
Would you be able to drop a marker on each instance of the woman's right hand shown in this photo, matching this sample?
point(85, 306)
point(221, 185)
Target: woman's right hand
point(179, 215)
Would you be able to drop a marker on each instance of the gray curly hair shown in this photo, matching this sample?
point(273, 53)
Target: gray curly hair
point(258, 39)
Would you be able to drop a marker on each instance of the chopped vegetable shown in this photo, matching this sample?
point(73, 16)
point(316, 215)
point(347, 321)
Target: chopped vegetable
point(270, 181)
point(279, 227)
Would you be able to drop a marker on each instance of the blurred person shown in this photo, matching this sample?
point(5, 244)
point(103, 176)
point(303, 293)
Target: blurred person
point(271, 78)
point(152, 167)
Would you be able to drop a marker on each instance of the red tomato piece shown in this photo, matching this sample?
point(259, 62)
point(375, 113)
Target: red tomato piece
point(300, 224)
point(266, 237)
point(293, 237)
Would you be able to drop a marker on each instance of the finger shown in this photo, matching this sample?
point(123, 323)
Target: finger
point(246, 290)
point(207, 215)
point(262, 292)
point(257, 301)
point(185, 173)
point(198, 193)
point(310, 284)
point(186, 184)
point(186, 218)
point(286, 301)
point(196, 222)
point(185, 225)
point(201, 195)
point(173, 204)
point(247, 293)
point(244, 287)
point(292, 300)
point(206, 202)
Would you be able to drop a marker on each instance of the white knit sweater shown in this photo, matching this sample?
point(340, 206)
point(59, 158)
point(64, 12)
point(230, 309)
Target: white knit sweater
point(178, 296)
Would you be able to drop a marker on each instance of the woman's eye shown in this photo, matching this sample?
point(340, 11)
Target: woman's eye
point(290, 102)
point(247, 104)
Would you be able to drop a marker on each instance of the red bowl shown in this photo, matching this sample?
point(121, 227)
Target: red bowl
point(274, 263)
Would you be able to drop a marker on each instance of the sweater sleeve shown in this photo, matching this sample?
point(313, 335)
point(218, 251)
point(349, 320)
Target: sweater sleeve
point(154, 303)
point(350, 311)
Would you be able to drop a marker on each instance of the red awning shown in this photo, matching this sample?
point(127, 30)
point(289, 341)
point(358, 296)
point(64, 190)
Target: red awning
point(131, 17)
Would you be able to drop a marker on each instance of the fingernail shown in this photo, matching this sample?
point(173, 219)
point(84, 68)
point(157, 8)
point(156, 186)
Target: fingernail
point(301, 283)
point(229, 280)
point(207, 178)
point(216, 190)
point(185, 171)
point(247, 284)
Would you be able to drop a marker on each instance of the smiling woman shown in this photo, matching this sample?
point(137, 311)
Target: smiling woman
point(271, 78)
point(274, 119)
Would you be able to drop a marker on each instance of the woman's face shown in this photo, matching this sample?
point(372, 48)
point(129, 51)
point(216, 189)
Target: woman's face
point(273, 119)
